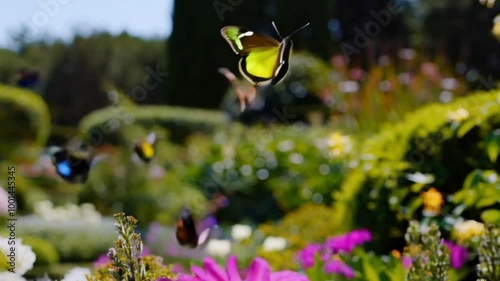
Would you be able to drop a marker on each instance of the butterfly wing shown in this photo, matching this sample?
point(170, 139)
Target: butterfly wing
point(259, 66)
point(244, 41)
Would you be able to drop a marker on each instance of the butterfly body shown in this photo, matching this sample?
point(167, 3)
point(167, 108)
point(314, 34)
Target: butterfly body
point(70, 166)
point(264, 60)
point(186, 231)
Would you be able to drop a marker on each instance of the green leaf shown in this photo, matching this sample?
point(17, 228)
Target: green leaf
point(491, 216)
point(369, 272)
point(465, 127)
point(414, 205)
point(485, 202)
point(493, 145)
point(316, 273)
point(473, 179)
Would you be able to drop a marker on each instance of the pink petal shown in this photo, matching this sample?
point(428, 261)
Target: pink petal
point(259, 270)
point(215, 272)
point(200, 273)
point(232, 269)
point(288, 276)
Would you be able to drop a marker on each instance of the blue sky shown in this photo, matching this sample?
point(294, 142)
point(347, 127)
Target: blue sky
point(61, 18)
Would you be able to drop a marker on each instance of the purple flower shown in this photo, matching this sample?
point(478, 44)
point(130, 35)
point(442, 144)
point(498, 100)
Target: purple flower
point(458, 254)
point(347, 242)
point(259, 270)
point(155, 228)
point(337, 266)
point(306, 256)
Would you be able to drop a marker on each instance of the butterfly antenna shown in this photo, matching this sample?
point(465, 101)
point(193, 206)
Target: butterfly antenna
point(275, 28)
point(304, 26)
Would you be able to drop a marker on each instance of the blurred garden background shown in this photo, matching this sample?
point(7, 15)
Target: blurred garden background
point(390, 113)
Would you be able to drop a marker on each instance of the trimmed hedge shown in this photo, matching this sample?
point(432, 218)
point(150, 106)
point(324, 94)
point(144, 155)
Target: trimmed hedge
point(439, 140)
point(180, 121)
point(24, 115)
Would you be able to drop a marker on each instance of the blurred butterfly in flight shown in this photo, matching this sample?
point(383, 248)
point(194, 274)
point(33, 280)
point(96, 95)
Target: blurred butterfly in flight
point(74, 161)
point(146, 149)
point(71, 166)
point(186, 231)
point(264, 60)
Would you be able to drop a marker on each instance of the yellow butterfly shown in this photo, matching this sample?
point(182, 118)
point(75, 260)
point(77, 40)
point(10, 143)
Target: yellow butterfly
point(264, 60)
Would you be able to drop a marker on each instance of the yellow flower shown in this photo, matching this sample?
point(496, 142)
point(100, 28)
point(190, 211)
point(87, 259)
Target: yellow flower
point(433, 200)
point(467, 230)
point(339, 144)
point(459, 115)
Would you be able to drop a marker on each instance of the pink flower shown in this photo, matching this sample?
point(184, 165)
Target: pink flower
point(347, 242)
point(338, 267)
point(259, 270)
point(406, 260)
point(306, 256)
point(458, 254)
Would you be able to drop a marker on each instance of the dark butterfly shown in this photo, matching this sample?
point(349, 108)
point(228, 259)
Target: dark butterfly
point(146, 149)
point(186, 230)
point(71, 166)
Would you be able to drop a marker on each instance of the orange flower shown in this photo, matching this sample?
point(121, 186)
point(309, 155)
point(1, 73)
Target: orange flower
point(396, 254)
point(433, 200)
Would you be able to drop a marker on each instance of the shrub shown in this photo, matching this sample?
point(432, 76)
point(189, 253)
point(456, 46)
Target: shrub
point(266, 171)
point(151, 192)
point(181, 122)
point(46, 253)
point(439, 145)
point(75, 240)
point(311, 223)
point(24, 117)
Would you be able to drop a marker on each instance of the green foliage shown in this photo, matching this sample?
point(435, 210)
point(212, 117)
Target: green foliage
point(46, 253)
point(303, 226)
point(445, 141)
point(76, 240)
point(308, 224)
point(153, 191)
point(269, 167)
point(24, 117)
point(181, 122)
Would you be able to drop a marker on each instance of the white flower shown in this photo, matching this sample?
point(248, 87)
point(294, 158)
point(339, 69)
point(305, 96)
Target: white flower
point(418, 177)
point(70, 212)
point(6, 275)
point(240, 232)
point(468, 230)
point(77, 274)
point(23, 256)
point(272, 243)
point(219, 248)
